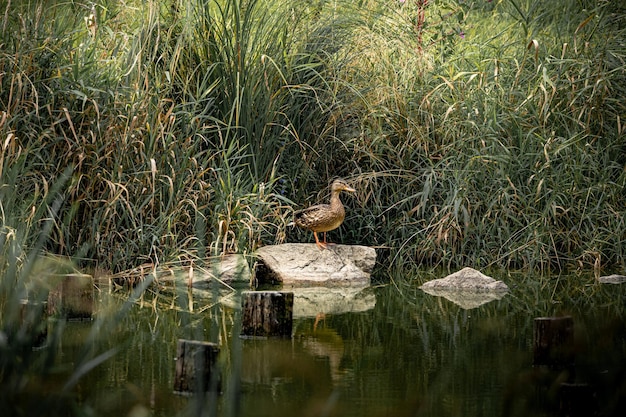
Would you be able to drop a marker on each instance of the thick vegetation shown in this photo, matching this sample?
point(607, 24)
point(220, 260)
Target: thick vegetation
point(484, 133)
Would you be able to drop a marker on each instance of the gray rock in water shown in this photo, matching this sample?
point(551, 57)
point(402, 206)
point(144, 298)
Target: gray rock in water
point(304, 264)
point(466, 279)
point(230, 268)
point(612, 279)
point(467, 288)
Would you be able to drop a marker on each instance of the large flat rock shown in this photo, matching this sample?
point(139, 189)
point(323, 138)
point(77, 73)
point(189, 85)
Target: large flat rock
point(304, 264)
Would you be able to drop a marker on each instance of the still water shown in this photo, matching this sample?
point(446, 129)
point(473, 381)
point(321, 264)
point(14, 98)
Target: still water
point(387, 350)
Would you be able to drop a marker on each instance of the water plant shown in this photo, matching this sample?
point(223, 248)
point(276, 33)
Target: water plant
point(482, 133)
point(476, 133)
point(487, 149)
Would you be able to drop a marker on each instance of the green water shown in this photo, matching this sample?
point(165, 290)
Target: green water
point(394, 351)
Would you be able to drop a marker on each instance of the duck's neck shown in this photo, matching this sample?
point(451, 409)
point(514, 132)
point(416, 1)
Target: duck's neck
point(335, 202)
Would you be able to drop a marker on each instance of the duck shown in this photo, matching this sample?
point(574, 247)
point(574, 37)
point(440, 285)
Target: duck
point(324, 217)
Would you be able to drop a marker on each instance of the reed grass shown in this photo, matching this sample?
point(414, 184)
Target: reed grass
point(496, 153)
point(487, 134)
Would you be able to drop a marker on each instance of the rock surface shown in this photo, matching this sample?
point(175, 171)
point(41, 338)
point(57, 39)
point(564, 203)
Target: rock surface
point(232, 268)
point(304, 264)
point(227, 269)
point(466, 279)
point(467, 288)
point(612, 279)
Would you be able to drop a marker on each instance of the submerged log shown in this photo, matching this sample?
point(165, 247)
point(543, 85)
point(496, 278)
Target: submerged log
point(73, 297)
point(196, 367)
point(553, 342)
point(305, 264)
point(266, 313)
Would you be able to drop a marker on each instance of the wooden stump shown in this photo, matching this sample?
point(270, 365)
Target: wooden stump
point(196, 367)
point(267, 313)
point(73, 298)
point(553, 340)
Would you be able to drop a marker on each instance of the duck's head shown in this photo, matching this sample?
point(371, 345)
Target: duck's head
point(341, 185)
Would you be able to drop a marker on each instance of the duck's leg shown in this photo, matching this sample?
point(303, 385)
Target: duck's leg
point(325, 242)
point(319, 317)
point(318, 243)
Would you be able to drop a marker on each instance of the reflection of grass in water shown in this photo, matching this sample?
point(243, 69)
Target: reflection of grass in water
point(453, 358)
point(417, 352)
point(411, 352)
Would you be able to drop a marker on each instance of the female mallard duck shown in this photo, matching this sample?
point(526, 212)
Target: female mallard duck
point(324, 217)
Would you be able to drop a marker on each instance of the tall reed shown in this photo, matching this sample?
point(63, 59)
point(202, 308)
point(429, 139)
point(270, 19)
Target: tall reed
point(177, 149)
point(484, 133)
point(497, 146)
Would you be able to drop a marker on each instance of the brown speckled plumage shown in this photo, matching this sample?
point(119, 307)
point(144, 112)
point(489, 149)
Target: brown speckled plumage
point(324, 217)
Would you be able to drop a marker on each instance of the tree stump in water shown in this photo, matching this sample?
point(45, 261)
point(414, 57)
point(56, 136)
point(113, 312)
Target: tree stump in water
point(195, 367)
point(73, 297)
point(266, 313)
point(553, 340)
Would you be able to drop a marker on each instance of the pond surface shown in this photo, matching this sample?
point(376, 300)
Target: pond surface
point(388, 350)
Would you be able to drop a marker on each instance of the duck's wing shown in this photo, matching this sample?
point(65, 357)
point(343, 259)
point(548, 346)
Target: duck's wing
point(310, 216)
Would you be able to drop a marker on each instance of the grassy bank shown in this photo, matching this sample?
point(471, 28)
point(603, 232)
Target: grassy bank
point(504, 145)
point(486, 133)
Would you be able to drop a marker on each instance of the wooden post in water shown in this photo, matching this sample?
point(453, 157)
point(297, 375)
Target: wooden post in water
point(266, 313)
point(553, 341)
point(73, 297)
point(196, 367)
